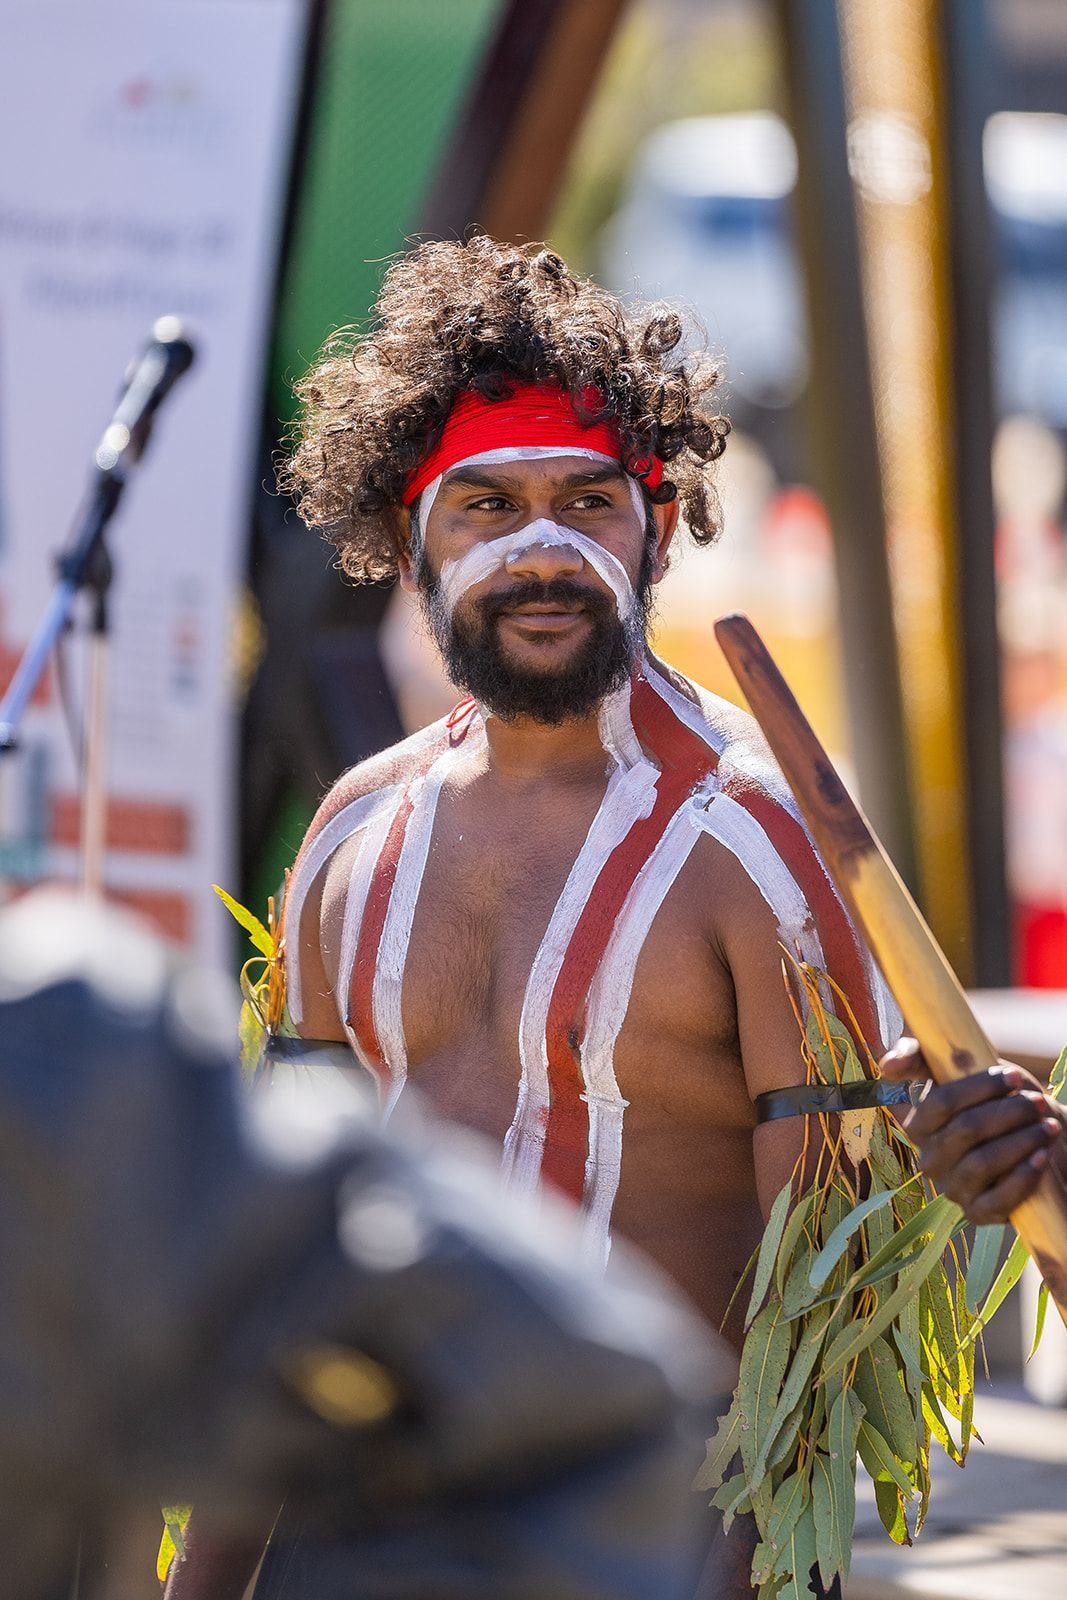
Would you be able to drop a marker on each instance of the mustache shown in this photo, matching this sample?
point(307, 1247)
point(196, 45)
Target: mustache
point(557, 591)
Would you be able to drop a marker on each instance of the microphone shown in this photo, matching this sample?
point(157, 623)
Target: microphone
point(149, 379)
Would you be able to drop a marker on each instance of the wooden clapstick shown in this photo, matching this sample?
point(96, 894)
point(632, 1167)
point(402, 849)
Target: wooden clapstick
point(927, 990)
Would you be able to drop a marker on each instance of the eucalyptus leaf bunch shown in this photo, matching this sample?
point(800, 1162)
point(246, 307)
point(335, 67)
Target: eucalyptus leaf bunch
point(863, 1318)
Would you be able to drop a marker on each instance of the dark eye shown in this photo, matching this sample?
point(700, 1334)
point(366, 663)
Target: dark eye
point(490, 502)
point(589, 502)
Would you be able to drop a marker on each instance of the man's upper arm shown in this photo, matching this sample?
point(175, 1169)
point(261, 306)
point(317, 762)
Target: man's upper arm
point(769, 1037)
point(319, 1015)
point(316, 914)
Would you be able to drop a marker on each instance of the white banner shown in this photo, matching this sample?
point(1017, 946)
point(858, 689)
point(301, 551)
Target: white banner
point(146, 145)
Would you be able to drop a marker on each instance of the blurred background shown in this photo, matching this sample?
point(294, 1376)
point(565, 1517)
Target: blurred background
point(864, 207)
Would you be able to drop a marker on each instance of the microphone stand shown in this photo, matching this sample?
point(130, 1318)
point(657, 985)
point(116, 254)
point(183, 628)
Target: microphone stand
point(94, 783)
point(86, 565)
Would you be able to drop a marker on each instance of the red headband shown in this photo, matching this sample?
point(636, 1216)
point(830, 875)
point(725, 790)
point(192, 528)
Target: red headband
point(534, 414)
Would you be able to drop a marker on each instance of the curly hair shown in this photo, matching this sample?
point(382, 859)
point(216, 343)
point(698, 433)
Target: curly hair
point(482, 315)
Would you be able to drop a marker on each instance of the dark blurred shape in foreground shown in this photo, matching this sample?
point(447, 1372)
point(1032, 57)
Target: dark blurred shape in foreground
point(236, 1302)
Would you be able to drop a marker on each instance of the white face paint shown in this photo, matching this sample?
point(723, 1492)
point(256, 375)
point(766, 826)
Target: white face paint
point(484, 560)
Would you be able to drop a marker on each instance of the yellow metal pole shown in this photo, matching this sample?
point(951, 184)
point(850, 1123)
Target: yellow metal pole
point(892, 75)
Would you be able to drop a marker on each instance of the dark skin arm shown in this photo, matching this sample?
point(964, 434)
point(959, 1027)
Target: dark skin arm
point(985, 1139)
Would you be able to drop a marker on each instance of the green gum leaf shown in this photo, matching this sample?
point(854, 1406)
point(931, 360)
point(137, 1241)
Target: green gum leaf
point(797, 1294)
point(790, 1499)
point(938, 1426)
point(762, 1563)
point(720, 1450)
point(827, 1523)
point(880, 1386)
point(796, 1382)
point(798, 1554)
point(892, 1511)
point(845, 1420)
point(937, 1319)
point(252, 1037)
point(733, 1499)
point(988, 1243)
point(798, 1220)
point(838, 1242)
point(1003, 1284)
point(967, 1429)
point(772, 1238)
point(878, 1230)
point(858, 1336)
point(884, 1165)
point(907, 1340)
point(881, 1463)
point(846, 1067)
point(785, 1444)
point(762, 1370)
point(173, 1541)
point(924, 1222)
point(749, 1264)
point(1039, 1324)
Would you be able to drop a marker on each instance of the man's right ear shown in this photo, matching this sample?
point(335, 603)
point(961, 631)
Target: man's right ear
point(405, 561)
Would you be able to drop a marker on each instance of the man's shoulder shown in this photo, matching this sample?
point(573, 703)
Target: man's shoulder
point(732, 733)
point(378, 776)
point(750, 812)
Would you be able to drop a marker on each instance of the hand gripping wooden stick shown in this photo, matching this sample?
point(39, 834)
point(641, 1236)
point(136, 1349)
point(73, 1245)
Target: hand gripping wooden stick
point(926, 988)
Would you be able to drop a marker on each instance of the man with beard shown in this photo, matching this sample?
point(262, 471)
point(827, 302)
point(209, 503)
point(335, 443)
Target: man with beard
point(561, 910)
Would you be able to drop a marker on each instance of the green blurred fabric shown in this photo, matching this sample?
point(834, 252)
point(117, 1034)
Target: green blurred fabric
point(391, 80)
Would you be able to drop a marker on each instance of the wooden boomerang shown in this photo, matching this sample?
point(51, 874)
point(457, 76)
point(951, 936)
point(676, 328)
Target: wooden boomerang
point(927, 990)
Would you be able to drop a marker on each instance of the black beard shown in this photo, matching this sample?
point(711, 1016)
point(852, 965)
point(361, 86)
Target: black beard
point(470, 645)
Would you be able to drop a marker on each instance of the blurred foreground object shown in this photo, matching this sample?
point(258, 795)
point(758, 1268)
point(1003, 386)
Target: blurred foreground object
point(239, 1302)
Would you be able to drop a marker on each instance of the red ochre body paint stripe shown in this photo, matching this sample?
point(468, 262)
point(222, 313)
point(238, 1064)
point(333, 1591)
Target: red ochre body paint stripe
point(841, 949)
point(364, 969)
point(684, 760)
point(376, 907)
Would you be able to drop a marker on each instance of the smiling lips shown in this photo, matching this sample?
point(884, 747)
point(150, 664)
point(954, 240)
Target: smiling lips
point(540, 614)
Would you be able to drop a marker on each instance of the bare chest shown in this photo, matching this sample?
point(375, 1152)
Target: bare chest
point(491, 887)
point(538, 967)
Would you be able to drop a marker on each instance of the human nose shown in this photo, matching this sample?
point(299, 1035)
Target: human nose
point(545, 560)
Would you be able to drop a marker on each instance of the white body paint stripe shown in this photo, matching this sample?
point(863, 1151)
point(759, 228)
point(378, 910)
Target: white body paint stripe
point(347, 822)
point(630, 795)
point(742, 835)
point(738, 756)
point(387, 993)
point(609, 1001)
point(890, 1016)
point(617, 730)
point(355, 901)
point(482, 560)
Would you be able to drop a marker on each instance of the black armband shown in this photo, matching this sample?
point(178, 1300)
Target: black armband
point(286, 1049)
point(815, 1099)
